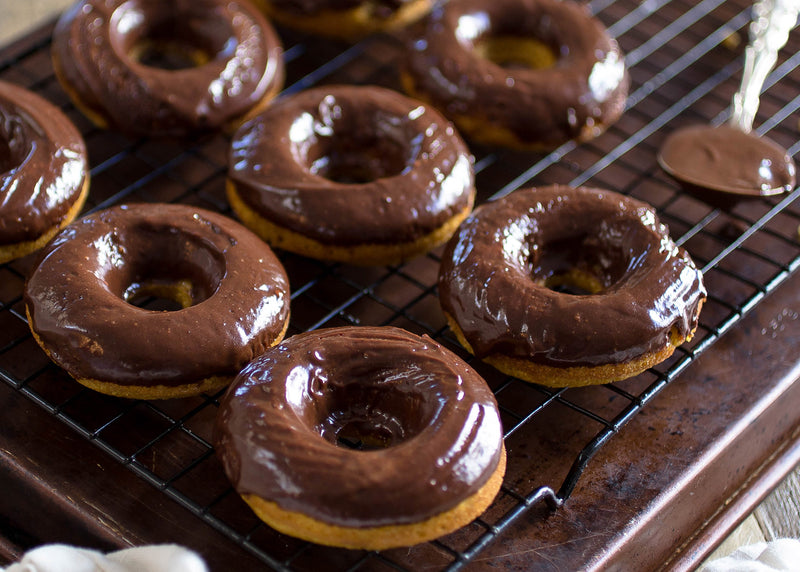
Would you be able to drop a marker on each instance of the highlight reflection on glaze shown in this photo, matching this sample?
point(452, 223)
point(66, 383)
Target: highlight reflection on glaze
point(435, 418)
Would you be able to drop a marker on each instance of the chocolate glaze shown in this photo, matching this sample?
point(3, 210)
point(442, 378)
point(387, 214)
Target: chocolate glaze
point(43, 165)
point(76, 297)
point(378, 8)
point(92, 46)
point(492, 271)
point(586, 88)
point(416, 171)
point(725, 165)
point(276, 427)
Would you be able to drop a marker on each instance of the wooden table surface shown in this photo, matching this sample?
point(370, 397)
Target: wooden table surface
point(776, 517)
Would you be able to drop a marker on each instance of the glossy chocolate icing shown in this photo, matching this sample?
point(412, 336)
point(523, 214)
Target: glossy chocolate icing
point(378, 8)
point(93, 45)
point(276, 427)
point(76, 297)
point(43, 165)
point(584, 90)
point(493, 271)
point(348, 165)
point(726, 161)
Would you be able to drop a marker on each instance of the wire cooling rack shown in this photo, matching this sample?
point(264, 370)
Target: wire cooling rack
point(685, 61)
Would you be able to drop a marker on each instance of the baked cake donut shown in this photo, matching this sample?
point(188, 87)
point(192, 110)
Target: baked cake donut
point(527, 74)
point(345, 19)
point(432, 455)
point(44, 171)
point(154, 68)
point(232, 291)
point(362, 175)
point(628, 295)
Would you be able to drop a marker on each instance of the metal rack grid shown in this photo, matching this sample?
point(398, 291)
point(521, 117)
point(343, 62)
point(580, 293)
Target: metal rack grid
point(685, 63)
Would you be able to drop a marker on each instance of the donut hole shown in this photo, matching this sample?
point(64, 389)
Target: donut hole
point(159, 269)
point(364, 434)
point(370, 417)
point(508, 44)
point(579, 266)
point(360, 161)
point(574, 282)
point(154, 34)
point(168, 55)
point(164, 296)
point(342, 148)
point(516, 52)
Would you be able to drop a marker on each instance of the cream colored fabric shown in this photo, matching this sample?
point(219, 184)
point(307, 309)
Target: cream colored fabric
point(777, 556)
point(156, 558)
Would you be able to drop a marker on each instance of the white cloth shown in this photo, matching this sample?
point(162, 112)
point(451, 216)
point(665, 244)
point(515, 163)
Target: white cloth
point(781, 555)
point(154, 558)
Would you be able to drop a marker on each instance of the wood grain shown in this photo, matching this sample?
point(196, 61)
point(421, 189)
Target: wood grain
point(779, 514)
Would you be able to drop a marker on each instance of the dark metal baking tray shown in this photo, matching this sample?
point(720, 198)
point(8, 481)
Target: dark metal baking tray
point(652, 471)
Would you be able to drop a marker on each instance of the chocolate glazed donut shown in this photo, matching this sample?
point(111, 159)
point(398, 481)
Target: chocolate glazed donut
point(520, 73)
point(233, 294)
point(434, 455)
point(345, 19)
point(356, 174)
point(148, 67)
point(44, 171)
point(631, 294)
